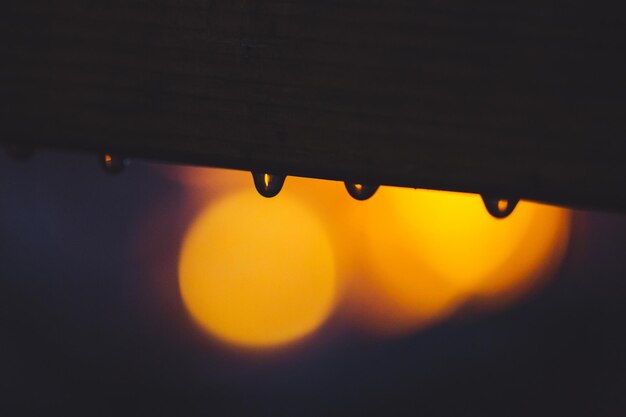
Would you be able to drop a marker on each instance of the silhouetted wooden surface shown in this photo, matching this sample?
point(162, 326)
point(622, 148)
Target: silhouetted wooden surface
point(516, 97)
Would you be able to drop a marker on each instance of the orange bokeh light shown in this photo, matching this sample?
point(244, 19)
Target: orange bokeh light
point(430, 251)
point(257, 272)
point(402, 260)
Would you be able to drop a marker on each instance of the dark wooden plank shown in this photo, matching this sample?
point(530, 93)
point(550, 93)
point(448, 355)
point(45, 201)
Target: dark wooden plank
point(521, 98)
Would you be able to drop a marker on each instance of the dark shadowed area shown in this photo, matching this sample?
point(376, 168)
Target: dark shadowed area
point(81, 334)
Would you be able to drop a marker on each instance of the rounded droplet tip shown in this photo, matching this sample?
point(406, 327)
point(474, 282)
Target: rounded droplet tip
point(500, 207)
point(114, 164)
point(361, 192)
point(268, 185)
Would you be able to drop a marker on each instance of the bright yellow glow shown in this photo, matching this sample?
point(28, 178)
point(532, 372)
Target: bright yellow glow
point(257, 272)
point(358, 187)
point(503, 205)
point(266, 179)
point(466, 246)
point(429, 251)
point(403, 260)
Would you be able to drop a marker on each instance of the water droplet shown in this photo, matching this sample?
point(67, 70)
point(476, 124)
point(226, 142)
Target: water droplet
point(268, 185)
point(361, 191)
point(500, 207)
point(114, 164)
point(19, 152)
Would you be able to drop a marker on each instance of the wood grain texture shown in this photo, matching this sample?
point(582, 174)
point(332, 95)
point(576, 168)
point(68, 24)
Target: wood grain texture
point(520, 98)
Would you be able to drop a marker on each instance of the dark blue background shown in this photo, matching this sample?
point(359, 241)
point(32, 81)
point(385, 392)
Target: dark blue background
point(79, 335)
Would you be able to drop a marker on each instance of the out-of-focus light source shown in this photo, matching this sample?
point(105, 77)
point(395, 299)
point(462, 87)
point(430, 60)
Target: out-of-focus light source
point(257, 272)
point(403, 260)
point(429, 251)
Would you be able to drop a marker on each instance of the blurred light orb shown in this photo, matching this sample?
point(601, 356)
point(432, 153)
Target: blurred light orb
point(475, 252)
point(408, 259)
point(258, 273)
point(429, 251)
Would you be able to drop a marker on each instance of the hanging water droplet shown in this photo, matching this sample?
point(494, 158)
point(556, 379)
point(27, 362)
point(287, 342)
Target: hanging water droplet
point(361, 191)
point(19, 152)
point(268, 185)
point(500, 207)
point(114, 164)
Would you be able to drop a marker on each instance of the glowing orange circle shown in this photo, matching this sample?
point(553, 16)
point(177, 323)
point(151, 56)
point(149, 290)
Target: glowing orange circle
point(429, 251)
point(409, 258)
point(258, 272)
point(475, 252)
